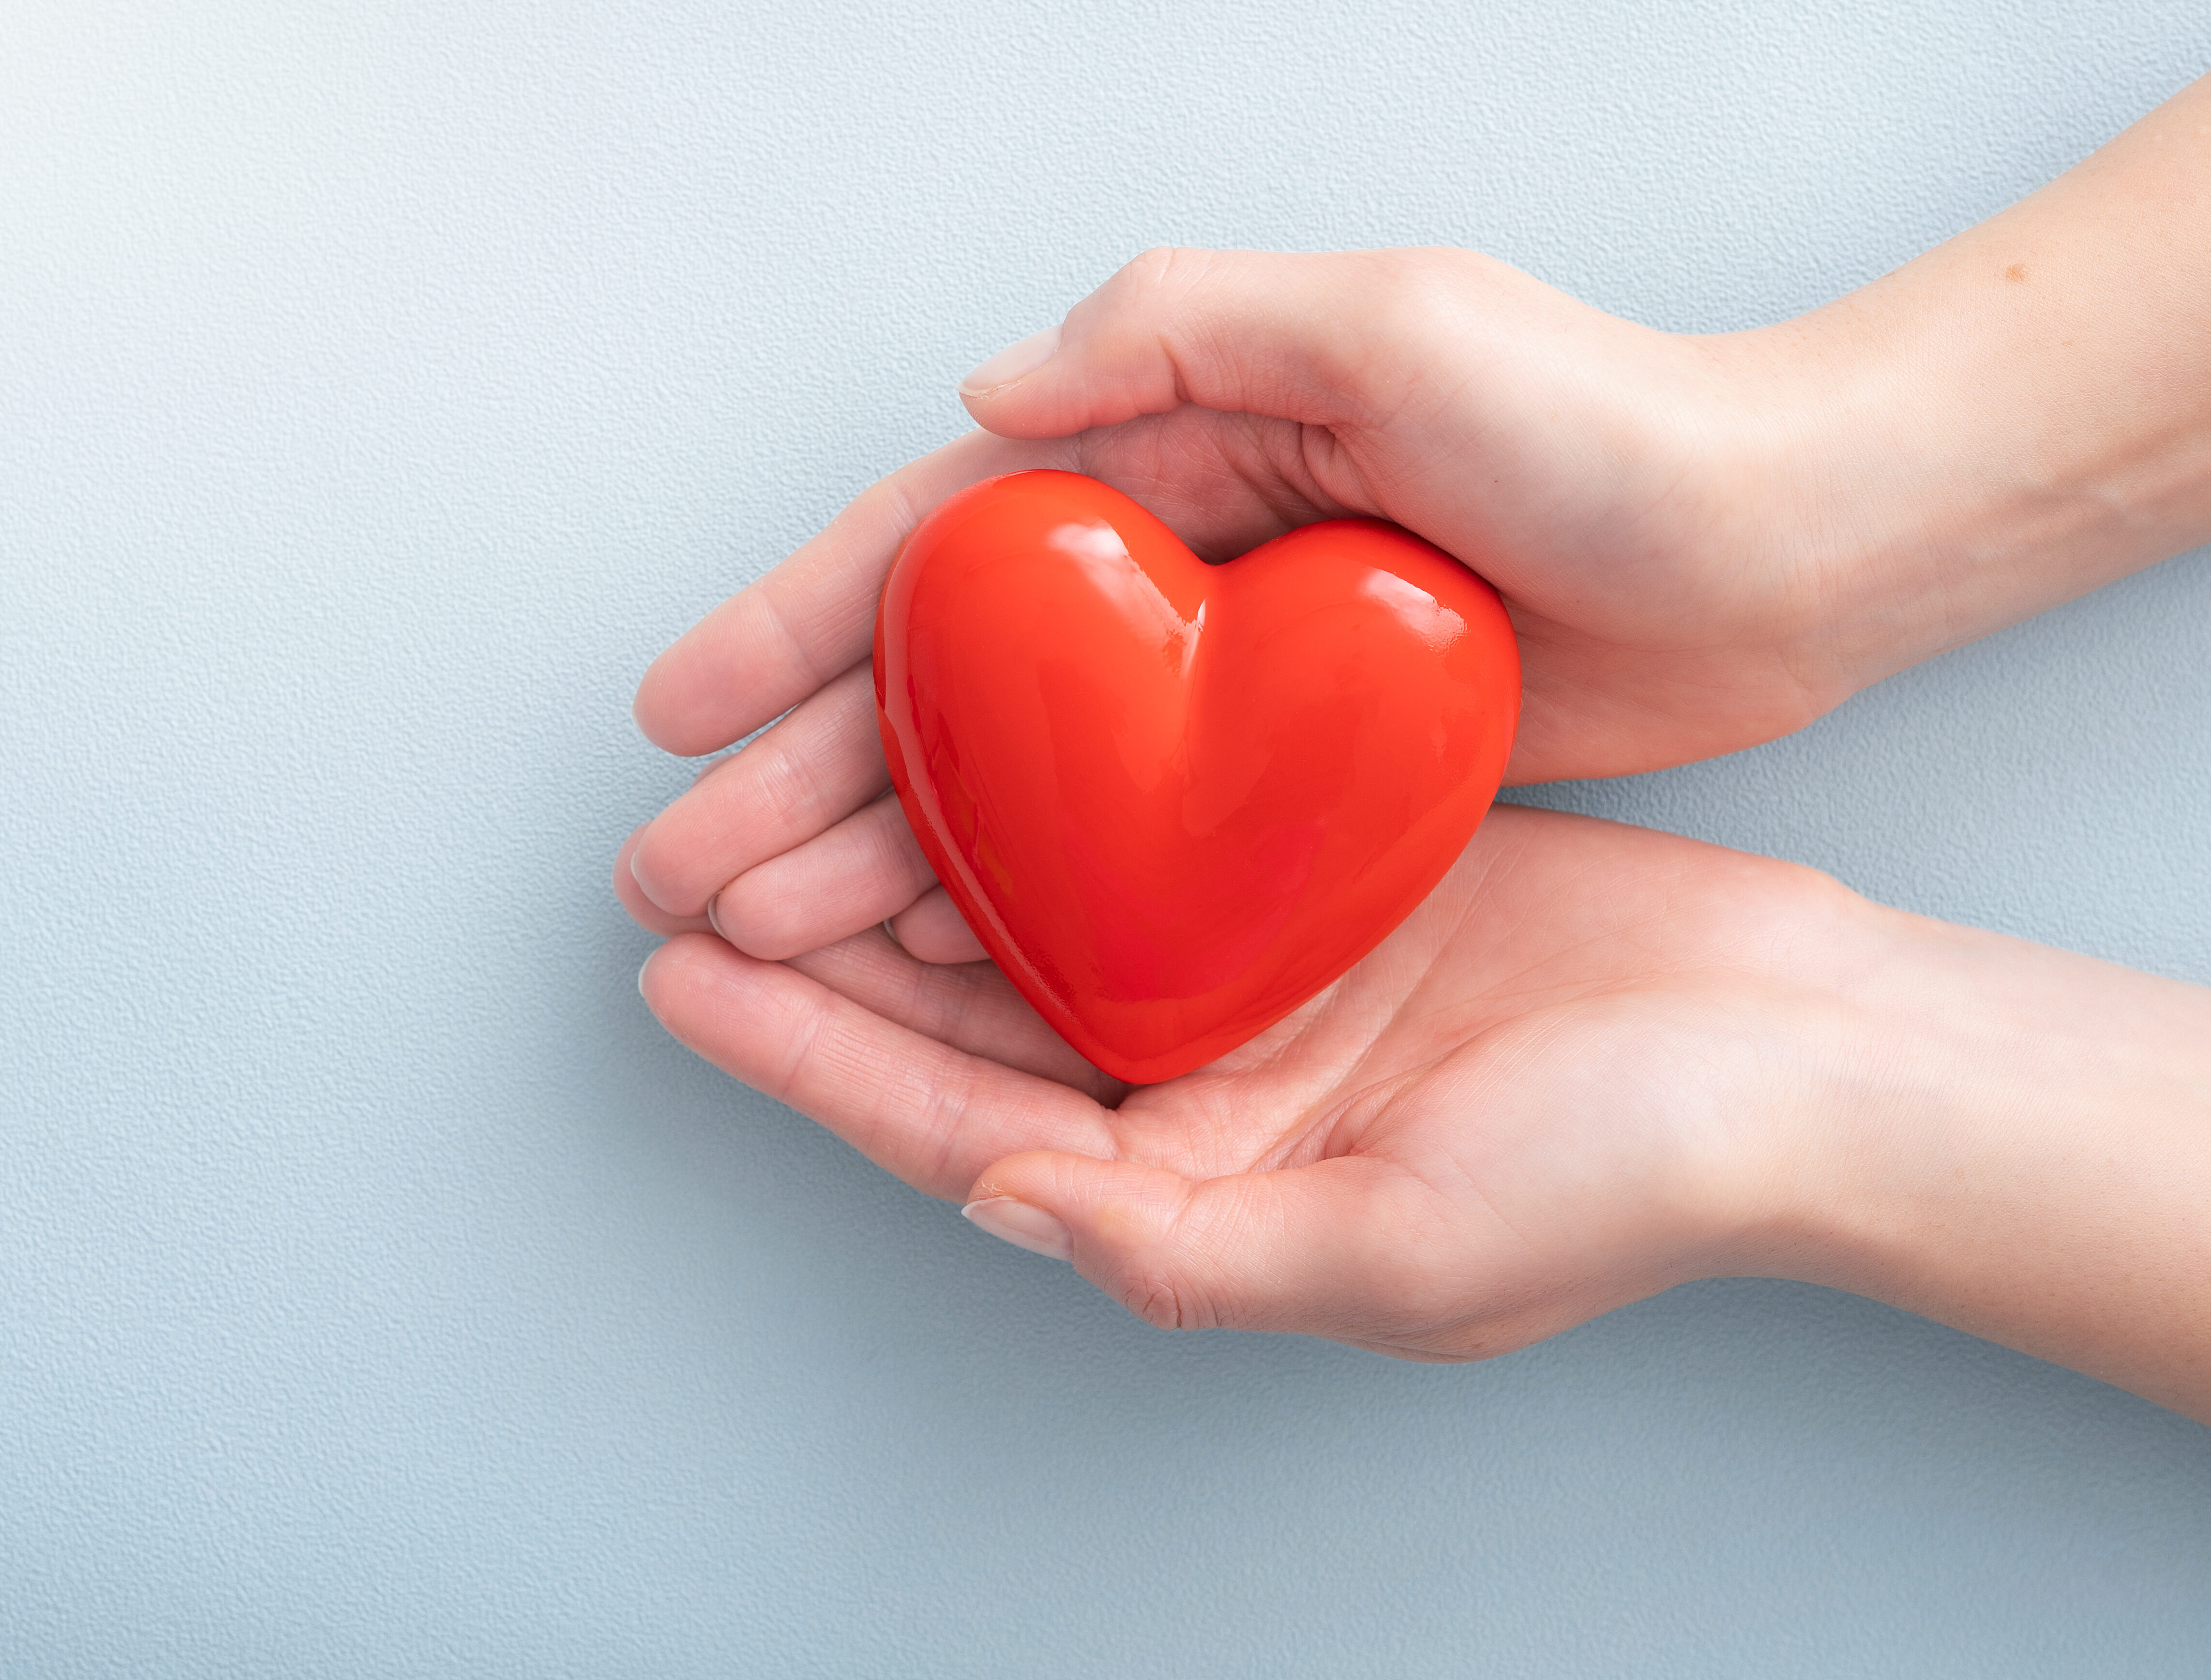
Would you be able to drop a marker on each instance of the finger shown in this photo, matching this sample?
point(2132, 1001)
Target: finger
point(813, 769)
point(933, 1114)
point(868, 868)
point(971, 1007)
point(770, 646)
point(932, 929)
point(1329, 1249)
point(1343, 338)
point(643, 911)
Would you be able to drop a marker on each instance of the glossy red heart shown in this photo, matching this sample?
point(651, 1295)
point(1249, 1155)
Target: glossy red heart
point(1174, 801)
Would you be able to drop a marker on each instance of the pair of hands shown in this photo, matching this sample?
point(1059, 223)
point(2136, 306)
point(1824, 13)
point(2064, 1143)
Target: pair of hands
point(1598, 1061)
point(1566, 1081)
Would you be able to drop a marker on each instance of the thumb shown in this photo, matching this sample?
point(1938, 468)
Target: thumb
point(1333, 340)
point(1330, 1249)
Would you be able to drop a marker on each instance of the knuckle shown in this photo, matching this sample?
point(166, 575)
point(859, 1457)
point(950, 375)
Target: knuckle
point(1467, 1353)
point(788, 783)
point(1152, 1297)
point(1412, 293)
point(894, 856)
point(949, 1099)
point(1160, 272)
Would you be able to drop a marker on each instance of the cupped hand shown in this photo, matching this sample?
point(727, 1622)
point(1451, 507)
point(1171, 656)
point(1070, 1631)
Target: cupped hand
point(1578, 1075)
point(1608, 478)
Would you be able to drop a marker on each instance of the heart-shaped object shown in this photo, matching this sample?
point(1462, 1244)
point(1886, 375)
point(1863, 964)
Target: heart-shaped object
point(1174, 801)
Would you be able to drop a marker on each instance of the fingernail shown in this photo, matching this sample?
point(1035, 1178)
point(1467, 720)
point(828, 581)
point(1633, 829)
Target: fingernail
point(1024, 1227)
point(714, 921)
point(1016, 361)
point(642, 967)
point(651, 896)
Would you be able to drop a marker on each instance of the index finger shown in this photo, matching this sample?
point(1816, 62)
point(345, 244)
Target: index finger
point(774, 642)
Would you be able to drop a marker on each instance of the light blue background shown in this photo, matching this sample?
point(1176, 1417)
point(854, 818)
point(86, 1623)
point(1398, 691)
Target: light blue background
point(382, 1293)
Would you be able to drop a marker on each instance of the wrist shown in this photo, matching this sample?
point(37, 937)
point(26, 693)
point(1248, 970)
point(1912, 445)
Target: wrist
point(1881, 540)
point(1949, 449)
point(2016, 1141)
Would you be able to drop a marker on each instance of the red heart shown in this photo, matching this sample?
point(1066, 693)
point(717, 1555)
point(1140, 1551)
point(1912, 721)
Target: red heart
point(1174, 801)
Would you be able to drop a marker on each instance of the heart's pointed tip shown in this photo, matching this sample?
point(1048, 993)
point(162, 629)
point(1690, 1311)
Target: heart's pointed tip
point(1154, 1065)
point(1150, 1070)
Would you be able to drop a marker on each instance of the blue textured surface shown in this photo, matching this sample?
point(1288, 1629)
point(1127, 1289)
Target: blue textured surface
point(381, 1293)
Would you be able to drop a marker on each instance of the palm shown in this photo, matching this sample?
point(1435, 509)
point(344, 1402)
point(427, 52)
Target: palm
point(1508, 1066)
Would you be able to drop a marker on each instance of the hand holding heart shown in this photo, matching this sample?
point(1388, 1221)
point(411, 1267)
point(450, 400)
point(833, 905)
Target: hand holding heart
point(1703, 543)
point(1613, 482)
point(1591, 1065)
point(1595, 1061)
point(796, 847)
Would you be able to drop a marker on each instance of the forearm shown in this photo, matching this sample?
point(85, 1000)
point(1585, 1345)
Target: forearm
point(2014, 418)
point(2019, 1145)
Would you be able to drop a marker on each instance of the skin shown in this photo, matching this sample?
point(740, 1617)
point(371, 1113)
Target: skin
point(1599, 1062)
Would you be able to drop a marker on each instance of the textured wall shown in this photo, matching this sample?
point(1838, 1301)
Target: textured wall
point(381, 1293)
